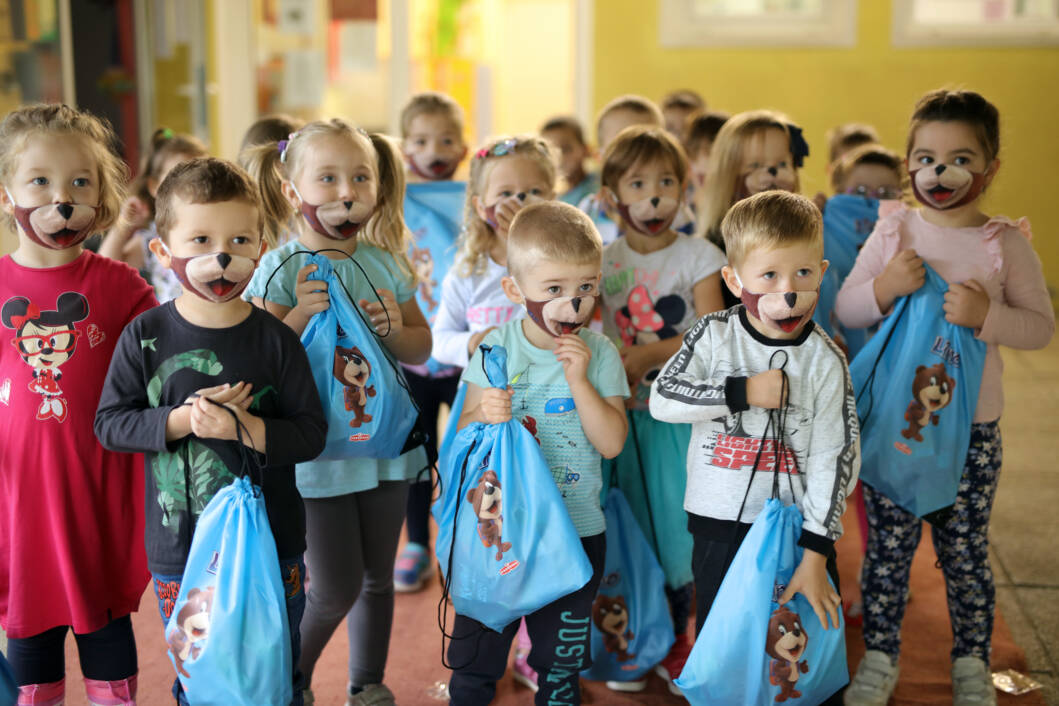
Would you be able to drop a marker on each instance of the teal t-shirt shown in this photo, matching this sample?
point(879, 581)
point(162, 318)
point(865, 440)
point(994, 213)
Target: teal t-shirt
point(543, 403)
point(325, 479)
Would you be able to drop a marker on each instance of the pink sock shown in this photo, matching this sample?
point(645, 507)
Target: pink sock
point(522, 640)
point(111, 693)
point(42, 694)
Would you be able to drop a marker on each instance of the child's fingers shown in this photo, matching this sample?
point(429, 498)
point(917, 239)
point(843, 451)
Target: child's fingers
point(304, 272)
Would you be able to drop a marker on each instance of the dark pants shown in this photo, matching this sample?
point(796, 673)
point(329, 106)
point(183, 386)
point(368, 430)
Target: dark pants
point(560, 632)
point(108, 654)
point(166, 588)
point(429, 394)
point(680, 606)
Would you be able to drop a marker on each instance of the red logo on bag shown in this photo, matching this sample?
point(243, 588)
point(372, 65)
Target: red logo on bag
point(360, 437)
point(903, 448)
point(509, 567)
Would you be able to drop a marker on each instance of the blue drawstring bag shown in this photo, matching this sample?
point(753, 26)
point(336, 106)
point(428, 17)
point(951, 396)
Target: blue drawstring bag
point(917, 385)
point(848, 221)
point(825, 305)
point(505, 539)
point(753, 651)
point(8, 685)
point(433, 211)
point(632, 629)
point(228, 636)
point(369, 410)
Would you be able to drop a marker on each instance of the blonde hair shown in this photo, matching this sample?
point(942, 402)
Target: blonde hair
point(770, 220)
point(726, 166)
point(385, 229)
point(865, 154)
point(476, 237)
point(54, 118)
point(634, 104)
point(431, 103)
point(553, 231)
point(641, 143)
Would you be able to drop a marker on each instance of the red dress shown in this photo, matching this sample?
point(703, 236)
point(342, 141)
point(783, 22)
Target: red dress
point(71, 513)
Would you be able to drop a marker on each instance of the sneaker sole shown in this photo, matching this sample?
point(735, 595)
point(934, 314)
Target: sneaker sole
point(663, 673)
point(402, 587)
point(525, 681)
point(627, 686)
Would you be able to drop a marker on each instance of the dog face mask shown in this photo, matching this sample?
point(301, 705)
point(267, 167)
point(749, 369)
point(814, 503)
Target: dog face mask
point(561, 315)
point(337, 220)
point(786, 311)
point(56, 226)
point(216, 277)
point(650, 216)
point(767, 178)
point(945, 186)
point(433, 167)
point(522, 198)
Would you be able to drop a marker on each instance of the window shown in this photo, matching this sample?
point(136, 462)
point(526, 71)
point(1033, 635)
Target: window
point(685, 23)
point(975, 22)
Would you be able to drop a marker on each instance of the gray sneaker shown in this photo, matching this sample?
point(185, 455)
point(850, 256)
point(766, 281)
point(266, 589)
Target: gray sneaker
point(972, 685)
point(372, 695)
point(874, 682)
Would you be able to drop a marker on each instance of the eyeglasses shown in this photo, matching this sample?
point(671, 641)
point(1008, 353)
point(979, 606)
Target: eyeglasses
point(882, 192)
point(35, 345)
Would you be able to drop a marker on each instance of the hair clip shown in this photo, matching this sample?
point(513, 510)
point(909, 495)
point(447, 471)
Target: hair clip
point(799, 147)
point(283, 145)
point(167, 133)
point(498, 150)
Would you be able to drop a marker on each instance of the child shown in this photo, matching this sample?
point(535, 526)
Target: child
point(72, 512)
point(569, 139)
point(996, 288)
point(353, 509)
point(843, 138)
point(700, 132)
point(432, 131)
point(730, 372)
point(677, 107)
point(130, 238)
point(870, 170)
point(554, 256)
point(657, 283)
point(209, 343)
point(269, 129)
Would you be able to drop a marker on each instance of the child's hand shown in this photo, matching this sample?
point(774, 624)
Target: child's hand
point(810, 580)
point(574, 354)
point(505, 212)
point(311, 293)
point(637, 361)
point(477, 338)
point(495, 407)
point(237, 394)
point(387, 328)
point(134, 213)
point(966, 304)
point(902, 275)
point(765, 390)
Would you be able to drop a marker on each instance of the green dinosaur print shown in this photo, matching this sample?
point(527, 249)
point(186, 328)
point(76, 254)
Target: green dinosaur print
point(148, 344)
point(259, 395)
point(202, 360)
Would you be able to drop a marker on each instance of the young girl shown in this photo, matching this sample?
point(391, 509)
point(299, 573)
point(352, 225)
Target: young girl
point(71, 537)
point(353, 509)
point(128, 240)
point(996, 288)
point(656, 283)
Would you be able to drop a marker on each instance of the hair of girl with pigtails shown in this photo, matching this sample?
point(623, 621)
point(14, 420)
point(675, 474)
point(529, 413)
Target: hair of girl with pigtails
point(163, 145)
point(55, 119)
point(726, 166)
point(476, 236)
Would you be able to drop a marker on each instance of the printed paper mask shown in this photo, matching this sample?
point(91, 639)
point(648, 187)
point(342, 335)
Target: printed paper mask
point(786, 311)
point(434, 167)
point(945, 186)
point(522, 198)
point(766, 178)
point(216, 277)
point(56, 226)
point(337, 220)
point(650, 216)
point(561, 315)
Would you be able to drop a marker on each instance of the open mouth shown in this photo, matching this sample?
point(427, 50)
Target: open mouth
point(360, 379)
point(934, 403)
point(940, 194)
point(620, 625)
point(197, 633)
point(438, 167)
point(566, 327)
point(347, 229)
point(64, 237)
point(789, 324)
point(654, 224)
point(221, 287)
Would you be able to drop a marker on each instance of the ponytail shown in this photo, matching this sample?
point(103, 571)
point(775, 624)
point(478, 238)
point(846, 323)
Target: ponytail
point(387, 229)
point(263, 164)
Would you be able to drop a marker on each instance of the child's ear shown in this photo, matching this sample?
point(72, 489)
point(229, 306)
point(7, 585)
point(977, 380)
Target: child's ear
point(729, 279)
point(287, 187)
point(511, 290)
point(263, 248)
point(157, 247)
point(152, 187)
point(824, 265)
point(609, 197)
point(6, 202)
point(991, 171)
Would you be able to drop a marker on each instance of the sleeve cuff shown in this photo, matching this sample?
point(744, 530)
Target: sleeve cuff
point(816, 542)
point(735, 394)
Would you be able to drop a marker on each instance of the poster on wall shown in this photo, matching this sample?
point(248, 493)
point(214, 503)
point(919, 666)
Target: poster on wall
point(297, 17)
point(303, 79)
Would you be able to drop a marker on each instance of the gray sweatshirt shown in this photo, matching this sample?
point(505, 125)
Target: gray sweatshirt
point(705, 384)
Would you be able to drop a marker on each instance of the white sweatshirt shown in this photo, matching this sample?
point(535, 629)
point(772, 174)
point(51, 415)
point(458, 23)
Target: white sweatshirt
point(469, 305)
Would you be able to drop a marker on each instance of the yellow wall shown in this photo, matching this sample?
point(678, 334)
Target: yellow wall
point(872, 82)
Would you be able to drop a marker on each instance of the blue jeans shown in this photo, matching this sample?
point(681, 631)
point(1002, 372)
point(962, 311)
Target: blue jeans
point(167, 588)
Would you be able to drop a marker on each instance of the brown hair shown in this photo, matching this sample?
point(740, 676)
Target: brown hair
point(271, 128)
point(640, 143)
point(769, 220)
point(634, 104)
point(554, 231)
point(865, 154)
point(845, 137)
point(959, 106)
point(684, 99)
point(203, 180)
point(56, 118)
point(164, 144)
point(702, 128)
point(565, 122)
point(431, 102)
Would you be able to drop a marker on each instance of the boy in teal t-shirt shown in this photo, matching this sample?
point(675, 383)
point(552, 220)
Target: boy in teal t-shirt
point(568, 388)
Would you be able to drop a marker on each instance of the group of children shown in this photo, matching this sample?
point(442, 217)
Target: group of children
point(677, 297)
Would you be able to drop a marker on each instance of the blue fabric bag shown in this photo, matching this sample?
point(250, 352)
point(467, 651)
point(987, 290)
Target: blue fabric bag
point(369, 410)
point(505, 538)
point(751, 650)
point(825, 305)
point(848, 221)
point(632, 629)
point(433, 212)
point(917, 385)
point(228, 636)
point(8, 685)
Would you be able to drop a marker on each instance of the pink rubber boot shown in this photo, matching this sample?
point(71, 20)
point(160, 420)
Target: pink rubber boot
point(111, 693)
point(42, 694)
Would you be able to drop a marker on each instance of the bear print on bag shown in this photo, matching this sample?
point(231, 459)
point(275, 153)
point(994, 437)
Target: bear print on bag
point(353, 370)
point(785, 644)
point(486, 498)
point(931, 391)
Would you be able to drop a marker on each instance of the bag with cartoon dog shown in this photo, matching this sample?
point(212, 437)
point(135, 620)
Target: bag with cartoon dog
point(228, 636)
point(632, 629)
point(917, 386)
point(505, 543)
point(752, 650)
point(369, 410)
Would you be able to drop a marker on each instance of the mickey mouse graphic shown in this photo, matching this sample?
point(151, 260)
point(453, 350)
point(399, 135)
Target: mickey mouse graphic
point(642, 321)
point(46, 340)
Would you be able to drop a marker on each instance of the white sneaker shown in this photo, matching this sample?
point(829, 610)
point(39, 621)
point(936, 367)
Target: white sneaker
point(371, 695)
point(874, 682)
point(629, 686)
point(972, 685)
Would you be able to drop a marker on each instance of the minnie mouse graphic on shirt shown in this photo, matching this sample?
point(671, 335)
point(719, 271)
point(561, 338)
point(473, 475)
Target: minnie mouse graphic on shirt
point(45, 340)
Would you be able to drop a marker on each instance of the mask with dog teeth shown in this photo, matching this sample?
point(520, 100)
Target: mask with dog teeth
point(56, 226)
point(337, 220)
point(945, 186)
point(651, 216)
point(787, 311)
point(561, 315)
point(216, 277)
point(436, 168)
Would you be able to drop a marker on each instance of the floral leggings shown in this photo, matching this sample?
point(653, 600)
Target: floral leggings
point(962, 547)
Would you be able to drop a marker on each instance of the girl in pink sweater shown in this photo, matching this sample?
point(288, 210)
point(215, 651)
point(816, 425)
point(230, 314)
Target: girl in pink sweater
point(996, 288)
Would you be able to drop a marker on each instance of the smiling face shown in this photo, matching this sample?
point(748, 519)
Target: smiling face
point(434, 146)
point(767, 164)
point(44, 347)
point(948, 164)
point(779, 287)
point(559, 296)
point(650, 193)
point(336, 187)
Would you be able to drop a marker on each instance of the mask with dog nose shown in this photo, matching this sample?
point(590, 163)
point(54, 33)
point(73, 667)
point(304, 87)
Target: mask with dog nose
point(433, 167)
point(786, 311)
point(650, 216)
point(945, 186)
point(216, 277)
point(56, 226)
point(561, 315)
point(522, 198)
point(337, 220)
point(767, 178)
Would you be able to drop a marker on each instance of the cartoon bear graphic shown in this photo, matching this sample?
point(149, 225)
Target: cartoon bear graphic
point(423, 263)
point(353, 370)
point(931, 391)
point(193, 626)
point(611, 616)
point(785, 644)
point(487, 498)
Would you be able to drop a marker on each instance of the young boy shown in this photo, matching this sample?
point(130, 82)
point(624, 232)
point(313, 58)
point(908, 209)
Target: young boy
point(432, 137)
point(677, 107)
point(730, 372)
point(209, 343)
point(554, 255)
point(566, 134)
